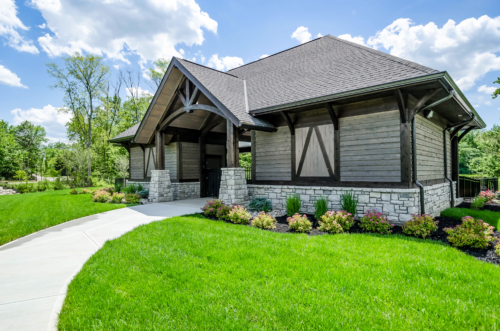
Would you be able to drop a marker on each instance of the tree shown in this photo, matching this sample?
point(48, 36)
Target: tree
point(156, 72)
point(497, 92)
point(9, 150)
point(77, 159)
point(83, 81)
point(122, 166)
point(30, 138)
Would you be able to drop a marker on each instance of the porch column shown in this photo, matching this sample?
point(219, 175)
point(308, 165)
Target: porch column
point(202, 166)
point(232, 144)
point(160, 188)
point(233, 186)
point(160, 151)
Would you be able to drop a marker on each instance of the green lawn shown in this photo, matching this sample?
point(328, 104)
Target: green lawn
point(192, 273)
point(22, 214)
point(490, 217)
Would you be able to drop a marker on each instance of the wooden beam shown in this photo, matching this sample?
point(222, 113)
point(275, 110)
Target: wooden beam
point(420, 103)
point(333, 116)
point(168, 138)
point(179, 161)
point(254, 155)
point(172, 117)
point(336, 154)
point(232, 145)
point(454, 159)
point(464, 133)
point(183, 98)
point(288, 122)
point(323, 151)
point(202, 166)
point(188, 95)
point(457, 129)
point(160, 150)
point(405, 152)
point(403, 112)
point(212, 125)
point(207, 121)
point(194, 96)
point(304, 151)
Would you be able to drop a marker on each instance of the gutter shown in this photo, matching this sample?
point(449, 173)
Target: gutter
point(414, 150)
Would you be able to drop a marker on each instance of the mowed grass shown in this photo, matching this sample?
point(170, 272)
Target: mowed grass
point(22, 214)
point(490, 217)
point(188, 273)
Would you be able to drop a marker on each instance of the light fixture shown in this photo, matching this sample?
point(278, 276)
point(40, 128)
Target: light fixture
point(428, 113)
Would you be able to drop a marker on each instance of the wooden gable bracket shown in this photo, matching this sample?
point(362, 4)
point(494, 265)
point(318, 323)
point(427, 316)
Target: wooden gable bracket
point(403, 111)
point(211, 125)
point(333, 116)
point(420, 103)
point(288, 122)
point(456, 130)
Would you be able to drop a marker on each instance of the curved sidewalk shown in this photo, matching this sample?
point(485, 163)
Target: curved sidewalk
point(35, 270)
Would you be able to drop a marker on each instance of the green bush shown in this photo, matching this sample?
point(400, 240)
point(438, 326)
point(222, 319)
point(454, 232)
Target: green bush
point(118, 187)
point(478, 203)
point(73, 191)
point(21, 175)
point(490, 217)
point(293, 204)
point(117, 197)
point(264, 221)
point(32, 188)
point(420, 226)
point(110, 190)
point(101, 196)
point(471, 233)
point(349, 202)
point(375, 221)
point(299, 223)
point(132, 198)
point(239, 215)
point(331, 221)
point(132, 188)
point(58, 184)
point(144, 194)
point(320, 207)
point(223, 211)
point(86, 191)
point(261, 204)
point(211, 207)
point(22, 188)
point(497, 249)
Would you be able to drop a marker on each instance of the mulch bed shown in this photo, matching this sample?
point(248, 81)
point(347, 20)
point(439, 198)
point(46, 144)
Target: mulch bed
point(491, 206)
point(486, 255)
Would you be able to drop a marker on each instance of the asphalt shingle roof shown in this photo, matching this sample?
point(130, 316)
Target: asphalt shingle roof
point(127, 133)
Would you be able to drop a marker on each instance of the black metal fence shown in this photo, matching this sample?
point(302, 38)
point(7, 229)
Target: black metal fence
point(248, 173)
point(469, 187)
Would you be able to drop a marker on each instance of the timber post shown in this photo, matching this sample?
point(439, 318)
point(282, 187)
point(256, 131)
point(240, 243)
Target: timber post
point(232, 143)
point(160, 150)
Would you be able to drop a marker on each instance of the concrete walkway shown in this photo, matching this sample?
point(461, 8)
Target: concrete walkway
point(35, 270)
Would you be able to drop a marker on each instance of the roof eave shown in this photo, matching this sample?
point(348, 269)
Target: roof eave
point(121, 139)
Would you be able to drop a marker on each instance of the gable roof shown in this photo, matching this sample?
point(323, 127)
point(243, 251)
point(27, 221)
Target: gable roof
point(321, 67)
point(127, 134)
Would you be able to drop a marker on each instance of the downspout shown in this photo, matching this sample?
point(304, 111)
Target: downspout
point(414, 147)
point(446, 157)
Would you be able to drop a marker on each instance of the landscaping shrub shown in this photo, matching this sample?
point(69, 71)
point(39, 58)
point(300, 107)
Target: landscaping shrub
point(293, 204)
point(497, 249)
point(487, 195)
point(211, 207)
point(117, 197)
point(261, 204)
point(144, 194)
point(477, 203)
point(118, 187)
point(32, 188)
point(132, 198)
point(73, 191)
point(349, 202)
point(342, 218)
point(22, 188)
point(375, 221)
point(110, 190)
point(239, 215)
point(488, 216)
point(264, 221)
point(42, 186)
point(101, 196)
point(320, 207)
point(132, 188)
point(58, 185)
point(471, 233)
point(85, 191)
point(420, 226)
point(223, 211)
point(299, 223)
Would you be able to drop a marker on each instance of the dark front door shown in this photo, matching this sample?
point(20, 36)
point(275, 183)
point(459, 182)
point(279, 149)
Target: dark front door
point(213, 175)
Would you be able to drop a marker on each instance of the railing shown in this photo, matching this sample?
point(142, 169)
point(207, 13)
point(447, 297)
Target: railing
point(469, 187)
point(248, 173)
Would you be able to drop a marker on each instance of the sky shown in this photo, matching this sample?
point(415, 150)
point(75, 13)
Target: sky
point(461, 37)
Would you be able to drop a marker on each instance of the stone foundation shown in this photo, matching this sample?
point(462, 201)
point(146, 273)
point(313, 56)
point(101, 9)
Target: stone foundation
point(233, 186)
point(160, 188)
point(180, 191)
point(397, 204)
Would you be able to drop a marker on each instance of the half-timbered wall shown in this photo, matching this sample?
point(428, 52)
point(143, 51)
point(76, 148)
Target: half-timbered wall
point(150, 160)
point(273, 158)
point(370, 147)
point(171, 160)
point(136, 163)
point(430, 154)
point(314, 164)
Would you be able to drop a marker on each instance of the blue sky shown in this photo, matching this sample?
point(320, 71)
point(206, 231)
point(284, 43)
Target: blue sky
point(462, 37)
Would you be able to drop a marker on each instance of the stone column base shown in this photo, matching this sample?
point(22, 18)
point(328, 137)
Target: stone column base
point(160, 188)
point(233, 186)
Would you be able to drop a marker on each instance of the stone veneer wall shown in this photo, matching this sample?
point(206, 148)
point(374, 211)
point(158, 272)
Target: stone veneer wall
point(233, 186)
point(397, 204)
point(180, 191)
point(160, 188)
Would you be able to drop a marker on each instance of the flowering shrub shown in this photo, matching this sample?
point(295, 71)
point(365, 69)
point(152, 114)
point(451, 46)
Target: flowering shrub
point(478, 203)
point(223, 212)
point(239, 215)
point(420, 226)
point(110, 190)
point(211, 207)
point(487, 195)
point(331, 220)
point(299, 223)
point(117, 197)
point(132, 198)
point(264, 221)
point(86, 191)
point(73, 191)
point(473, 233)
point(101, 196)
point(375, 221)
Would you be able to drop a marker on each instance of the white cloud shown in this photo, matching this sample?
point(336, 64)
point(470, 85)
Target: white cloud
point(181, 51)
point(48, 117)
point(193, 59)
point(9, 26)
point(203, 59)
point(263, 56)
point(487, 103)
point(358, 40)
point(319, 35)
point(466, 50)
point(42, 26)
point(116, 66)
point(150, 29)
point(302, 34)
point(486, 89)
point(137, 90)
point(7, 77)
point(225, 63)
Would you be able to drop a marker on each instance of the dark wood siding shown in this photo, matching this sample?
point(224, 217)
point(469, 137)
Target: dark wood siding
point(273, 155)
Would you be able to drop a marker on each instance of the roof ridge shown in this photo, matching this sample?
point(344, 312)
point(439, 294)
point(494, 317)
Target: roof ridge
point(285, 50)
point(389, 57)
point(222, 72)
